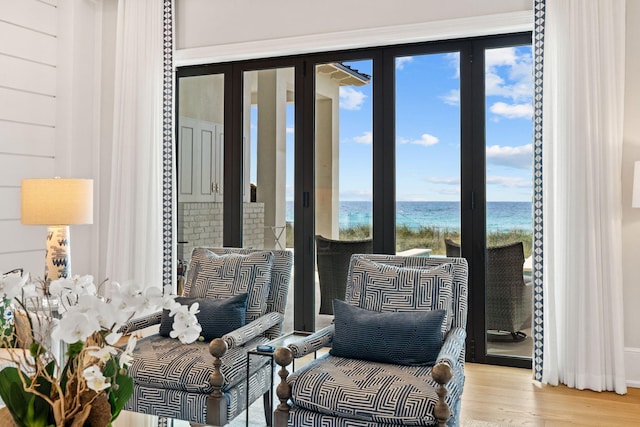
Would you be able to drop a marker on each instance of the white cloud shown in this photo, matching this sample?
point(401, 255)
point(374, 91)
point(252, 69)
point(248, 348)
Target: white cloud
point(512, 111)
point(365, 138)
point(452, 98)
point(446, 181)
point(351, 99)
point(508, 74)
point(500, 56)
point(508, 181)
point(290, 130)
point(426, 140)
point(400, 62)
point(516, 157)
point(454, 62)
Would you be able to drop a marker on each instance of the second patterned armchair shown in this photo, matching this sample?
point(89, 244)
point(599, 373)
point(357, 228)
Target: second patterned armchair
point(397, 349)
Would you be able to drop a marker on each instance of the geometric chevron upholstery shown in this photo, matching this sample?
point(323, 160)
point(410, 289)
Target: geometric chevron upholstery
point(376, 386)
point(459, 273)
point(222, 276)
point(339, 391)
point(379, 287)
point(172, 379)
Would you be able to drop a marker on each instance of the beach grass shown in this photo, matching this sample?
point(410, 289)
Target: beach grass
point(430, 237)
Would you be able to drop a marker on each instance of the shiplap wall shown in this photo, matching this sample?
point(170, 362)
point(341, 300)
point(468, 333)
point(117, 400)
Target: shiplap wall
point(28, 75)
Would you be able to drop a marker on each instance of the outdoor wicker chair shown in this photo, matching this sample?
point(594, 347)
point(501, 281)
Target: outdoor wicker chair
point(509, 298)
point(333, 264)
point(452, 248)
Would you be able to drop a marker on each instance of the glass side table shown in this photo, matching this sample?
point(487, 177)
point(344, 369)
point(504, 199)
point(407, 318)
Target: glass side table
point(282, 341)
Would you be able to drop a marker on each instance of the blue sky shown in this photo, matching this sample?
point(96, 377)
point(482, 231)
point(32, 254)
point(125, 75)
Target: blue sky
point(428, 129)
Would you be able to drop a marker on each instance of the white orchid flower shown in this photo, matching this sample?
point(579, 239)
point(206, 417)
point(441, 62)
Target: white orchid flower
point(108, 316)
point(127, 356)
point(184, 314)
point(132, 294)
point(30, 290)
point(168, 300)
point(185, 323)
point(11, 285)
point(94, 378)
point(75, 326)
point(152, 299)
point(113, 338)
point(186, 333)
point(102, 353)
point(84, 284)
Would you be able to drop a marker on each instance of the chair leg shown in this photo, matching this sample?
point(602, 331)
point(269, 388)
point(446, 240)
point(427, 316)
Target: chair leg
point(268, 407)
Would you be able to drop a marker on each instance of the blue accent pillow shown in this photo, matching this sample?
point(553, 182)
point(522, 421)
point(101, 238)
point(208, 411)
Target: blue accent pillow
point(400, 338)
point(217, 316)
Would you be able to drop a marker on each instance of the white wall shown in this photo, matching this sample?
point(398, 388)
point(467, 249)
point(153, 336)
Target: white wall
point(217, 31)
point(218, 22)
point(48, 116)
point(28, 105)
point(207, 30)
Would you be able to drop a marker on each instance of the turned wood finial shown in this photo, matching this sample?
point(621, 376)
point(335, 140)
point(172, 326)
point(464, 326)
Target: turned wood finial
point(283, 357)
point(442, 374)
point(217, 402)
point(217, 348)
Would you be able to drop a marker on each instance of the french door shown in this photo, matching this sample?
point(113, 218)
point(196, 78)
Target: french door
point(408, 146)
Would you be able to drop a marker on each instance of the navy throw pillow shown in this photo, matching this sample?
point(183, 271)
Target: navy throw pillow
point(217, 316)
point(400, 338)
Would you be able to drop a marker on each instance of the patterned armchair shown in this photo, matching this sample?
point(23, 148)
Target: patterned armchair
point(206, 382)
point(397, 357)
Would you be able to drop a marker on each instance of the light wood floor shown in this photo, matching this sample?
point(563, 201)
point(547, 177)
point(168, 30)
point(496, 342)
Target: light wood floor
point(509, 396)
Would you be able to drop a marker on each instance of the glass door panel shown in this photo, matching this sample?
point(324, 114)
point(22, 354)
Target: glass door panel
point(343, 175)
point(268, 146)
point(509, 127)
point(427, 153)
point(200, 165)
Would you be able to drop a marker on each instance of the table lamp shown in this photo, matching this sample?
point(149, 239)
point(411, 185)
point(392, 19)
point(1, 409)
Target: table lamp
point(636, 186)
point(57, 203)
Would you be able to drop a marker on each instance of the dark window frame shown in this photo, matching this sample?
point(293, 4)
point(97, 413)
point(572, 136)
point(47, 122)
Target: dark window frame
point(473, 163)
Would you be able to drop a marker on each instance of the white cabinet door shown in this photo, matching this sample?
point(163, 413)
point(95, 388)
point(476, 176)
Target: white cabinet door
point(200, 161)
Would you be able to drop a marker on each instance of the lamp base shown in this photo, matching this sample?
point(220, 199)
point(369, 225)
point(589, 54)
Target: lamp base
point(58, 255)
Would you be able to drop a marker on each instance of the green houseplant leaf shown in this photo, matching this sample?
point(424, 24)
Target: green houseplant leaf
point(28, 409)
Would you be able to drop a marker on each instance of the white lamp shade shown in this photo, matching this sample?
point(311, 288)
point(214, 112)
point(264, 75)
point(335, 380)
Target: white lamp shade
point(636, 186)
point(57, 201)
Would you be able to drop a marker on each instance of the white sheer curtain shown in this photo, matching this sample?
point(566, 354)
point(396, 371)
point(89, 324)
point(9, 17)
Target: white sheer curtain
point(134, 242)
point(582, 155)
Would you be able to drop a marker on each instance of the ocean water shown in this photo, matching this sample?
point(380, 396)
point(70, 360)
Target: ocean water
point(501, 216)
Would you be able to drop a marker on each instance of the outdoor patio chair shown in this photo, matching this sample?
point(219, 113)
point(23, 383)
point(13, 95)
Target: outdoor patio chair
point(509, 299)
point(452, 248)
point(333, 264)
point(509, 296)
point(206, 382)
point(397, 349)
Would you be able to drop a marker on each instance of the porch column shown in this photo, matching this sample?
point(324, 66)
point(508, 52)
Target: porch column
point(271, 161)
